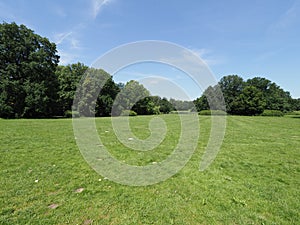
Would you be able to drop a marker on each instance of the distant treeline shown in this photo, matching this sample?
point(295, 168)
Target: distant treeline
point(251, 97)
point(33, 85)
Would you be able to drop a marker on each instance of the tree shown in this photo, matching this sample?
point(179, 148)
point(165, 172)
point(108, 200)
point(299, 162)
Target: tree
point(146, 106)
point(274, 96)
point(182, 105)
point(153, 105)
point(212, 98)
point(250, 102)
point(165, 106)
point(68, 77)
point(296, 104)
point(95, 94)
point(28, 84)
point(132, 92)
point(231, 87)
point(106, 98)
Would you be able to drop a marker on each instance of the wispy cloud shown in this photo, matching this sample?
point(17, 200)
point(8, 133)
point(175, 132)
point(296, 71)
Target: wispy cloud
point(67, 38)
point(97, 5)
point(66, 57)
point(67, 46)
point(289, 18)
point(206, 55)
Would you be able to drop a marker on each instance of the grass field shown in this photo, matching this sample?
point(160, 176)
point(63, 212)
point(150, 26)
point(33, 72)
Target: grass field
point(255, 178)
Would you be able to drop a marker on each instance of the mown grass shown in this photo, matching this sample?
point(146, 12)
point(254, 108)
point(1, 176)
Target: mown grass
point(255, 178)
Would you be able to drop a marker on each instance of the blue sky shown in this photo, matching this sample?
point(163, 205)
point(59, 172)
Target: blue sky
point(248, 38)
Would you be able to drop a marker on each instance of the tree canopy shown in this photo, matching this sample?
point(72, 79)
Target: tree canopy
point(249, 97)
point(28, 84)
point(33, 85)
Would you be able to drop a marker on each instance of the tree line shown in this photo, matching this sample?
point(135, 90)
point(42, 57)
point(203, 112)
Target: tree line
point(251, 97)
point(33, 85)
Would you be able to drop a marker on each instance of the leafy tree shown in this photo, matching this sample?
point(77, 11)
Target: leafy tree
point(250, 102)
point(28, 84)
point(201, 103)
point(274, 96)
point(146, 106)
point(231, 87)
point(68, 77)
point(106, 97)
point(95, 94)
point(296, 104)
point(165, 106)
point(182, 105)
point(132, 92)
point(212, 98)
point(153, 105)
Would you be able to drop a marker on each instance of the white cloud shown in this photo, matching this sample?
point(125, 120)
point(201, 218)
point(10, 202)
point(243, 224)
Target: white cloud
point(67, 46)
point(60, 37)
point(205, 55)
point(67, 39)
point(97, 5)
point(66, 57)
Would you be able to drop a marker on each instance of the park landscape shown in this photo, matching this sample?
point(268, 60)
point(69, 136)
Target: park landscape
point(254, 179)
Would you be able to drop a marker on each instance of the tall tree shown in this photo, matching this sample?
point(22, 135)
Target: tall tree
point(212, 98)
point(28, 84)
point(106, 97)
point(95, 94)
point(296, 104)
point(68, 78)
point(165, 106)
point(274, 96)
point(231, 87)
point(132, 92)
point(250, 102)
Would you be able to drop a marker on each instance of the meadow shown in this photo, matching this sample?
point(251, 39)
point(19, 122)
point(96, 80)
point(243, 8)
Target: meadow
point(254, 179)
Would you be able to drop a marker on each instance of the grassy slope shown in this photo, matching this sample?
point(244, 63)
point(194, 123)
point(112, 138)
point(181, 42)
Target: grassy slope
point(254, 180)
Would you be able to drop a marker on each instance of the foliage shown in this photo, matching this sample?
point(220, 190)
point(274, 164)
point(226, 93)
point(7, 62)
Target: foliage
point(128, 113)
point(33, 85)
point(246, 98)
point(132, 92)
point(296, 104)
point(106, 97)
point(274, 96)
point(250, 102)
point(212, 98)
point(153, 105)
point(165, 106)
point(68, 77)
point(272, 113)
point(96, 93)
point(212, 112)
point(231, 87)
point(182, 105)
point(28, 85)
point(294, 113)
point(70, 114)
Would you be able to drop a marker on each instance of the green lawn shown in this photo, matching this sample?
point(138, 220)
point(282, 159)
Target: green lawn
point(255, 178)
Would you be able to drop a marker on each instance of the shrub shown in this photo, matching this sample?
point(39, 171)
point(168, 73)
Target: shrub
point(182, 112)
point(128, 113)
point(212, 112)
point(272, 113)
point(70, 114)
point(294, 113)
point(174, 112)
